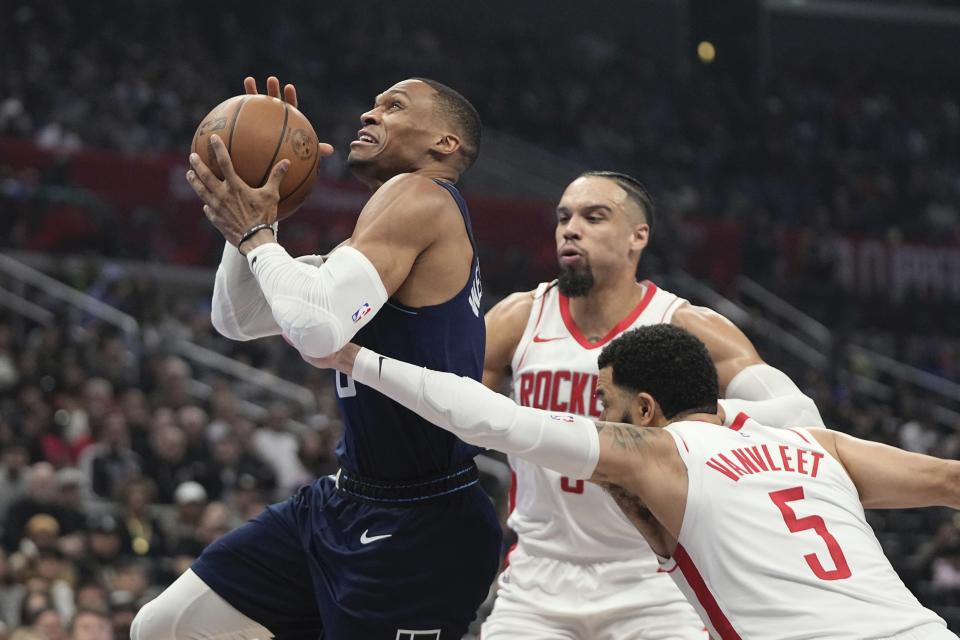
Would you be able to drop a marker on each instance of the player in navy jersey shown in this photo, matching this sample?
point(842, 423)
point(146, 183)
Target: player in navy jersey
point(402, 543)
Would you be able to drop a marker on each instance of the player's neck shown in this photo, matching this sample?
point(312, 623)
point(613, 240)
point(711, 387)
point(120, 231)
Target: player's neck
point(712, 418)
point(596, 313)
point(374, 182)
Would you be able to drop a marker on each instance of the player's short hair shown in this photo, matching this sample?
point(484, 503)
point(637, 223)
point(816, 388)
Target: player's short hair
point(634, 188)
point(669, 363)
point(457, 110)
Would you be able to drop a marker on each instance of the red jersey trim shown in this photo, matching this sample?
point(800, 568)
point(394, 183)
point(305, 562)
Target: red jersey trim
point(512, 502)
point(802, 437)
point(536, 327)
point(620, 326)
point(706, 599)
point(739, 421)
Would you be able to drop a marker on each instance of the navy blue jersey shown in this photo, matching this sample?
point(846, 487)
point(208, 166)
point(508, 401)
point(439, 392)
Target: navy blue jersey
point(385, 440)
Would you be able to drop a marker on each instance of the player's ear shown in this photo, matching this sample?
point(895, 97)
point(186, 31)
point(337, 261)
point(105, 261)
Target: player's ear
point(447, 144)
point(645, 409)
point(639, 236)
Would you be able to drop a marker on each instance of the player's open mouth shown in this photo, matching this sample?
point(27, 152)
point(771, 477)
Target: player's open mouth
point(569, 255)
point(364, 137)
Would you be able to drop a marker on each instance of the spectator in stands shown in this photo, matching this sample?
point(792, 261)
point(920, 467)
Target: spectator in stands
point(12, 593)
point(14, 472)
point(133, 404)
point(92, 596)
point(143, 529)
point(41, 498)
point(98, 401)
point(48, 624)
point(190, 499)
point(59, 574)
point(90, 624)
point(122, 612)
point(248, 498)
point(173, 374)
point(105, 547)
point(132, 578)
point(316, 449)
point(167, 464)
point(232, 460)
point(111, 461)
point(72, 490)
point(274, 444)
point(946, 570)
point(194, 422)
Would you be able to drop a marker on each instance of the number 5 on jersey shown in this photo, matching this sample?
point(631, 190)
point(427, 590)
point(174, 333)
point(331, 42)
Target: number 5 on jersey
point(795, 524)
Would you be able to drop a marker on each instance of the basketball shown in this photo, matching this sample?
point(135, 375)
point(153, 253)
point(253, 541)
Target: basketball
point(259, 131)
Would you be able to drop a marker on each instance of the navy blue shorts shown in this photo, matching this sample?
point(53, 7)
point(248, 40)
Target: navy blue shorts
point(325, 564)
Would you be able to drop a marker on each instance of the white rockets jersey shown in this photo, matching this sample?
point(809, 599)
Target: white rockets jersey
point(774, 543)
point(555, 368)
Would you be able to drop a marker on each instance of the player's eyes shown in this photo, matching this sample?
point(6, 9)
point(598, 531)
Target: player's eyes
point(396, 105)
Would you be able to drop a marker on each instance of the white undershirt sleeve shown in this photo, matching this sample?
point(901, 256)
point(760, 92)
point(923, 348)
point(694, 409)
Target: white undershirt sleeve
point(770, 397)
point(238, 309)
point(320, 309)
point(563, 442)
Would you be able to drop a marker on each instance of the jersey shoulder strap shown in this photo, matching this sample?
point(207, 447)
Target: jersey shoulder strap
point(541, 298)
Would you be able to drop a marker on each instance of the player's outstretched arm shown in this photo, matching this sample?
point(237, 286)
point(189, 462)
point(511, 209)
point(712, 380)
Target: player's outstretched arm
point(505, 324)
point(747, 382)
point(890, 478)
point(573, 445)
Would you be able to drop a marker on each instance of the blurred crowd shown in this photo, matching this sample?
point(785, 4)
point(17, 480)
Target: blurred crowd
point(116, 470)
point(115, 473)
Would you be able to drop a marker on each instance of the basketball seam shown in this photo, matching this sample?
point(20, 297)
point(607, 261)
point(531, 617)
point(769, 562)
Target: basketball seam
point(316, 160)
point(283, 132)
point(233, 125)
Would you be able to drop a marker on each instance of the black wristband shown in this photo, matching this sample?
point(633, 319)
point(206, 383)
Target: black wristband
point(253, 231)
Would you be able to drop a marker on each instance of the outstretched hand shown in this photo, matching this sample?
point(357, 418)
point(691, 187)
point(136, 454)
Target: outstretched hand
point(289, 96)
point(273, 89)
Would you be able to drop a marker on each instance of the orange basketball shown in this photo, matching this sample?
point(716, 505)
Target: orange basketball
point(259, 131)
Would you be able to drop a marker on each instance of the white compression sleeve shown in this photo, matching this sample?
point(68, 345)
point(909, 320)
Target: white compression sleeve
point(318, 310)
point(770, 397)
point(238, 309)
point(563, 442)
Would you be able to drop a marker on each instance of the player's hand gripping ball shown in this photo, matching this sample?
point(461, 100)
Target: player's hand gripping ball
point(258, 132)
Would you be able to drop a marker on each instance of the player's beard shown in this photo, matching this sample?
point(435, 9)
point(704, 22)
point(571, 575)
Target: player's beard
point(575, 283)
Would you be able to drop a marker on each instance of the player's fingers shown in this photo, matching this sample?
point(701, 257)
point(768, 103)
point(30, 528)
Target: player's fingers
point(203, 173)
point(194, 181)
point(250, 86)
point(222, 158)
point(205, 194)
point(273, 87)
point(276, 176)
point(325, 149)
point(290, 94)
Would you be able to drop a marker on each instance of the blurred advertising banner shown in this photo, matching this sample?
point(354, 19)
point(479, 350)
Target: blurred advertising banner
point(876, 267)
point(141, 207)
